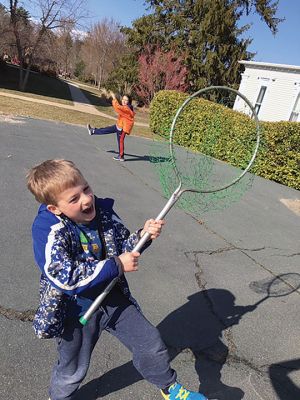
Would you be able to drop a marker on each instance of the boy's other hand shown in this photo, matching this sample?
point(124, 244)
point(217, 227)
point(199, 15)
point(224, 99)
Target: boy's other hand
point(129, 261)
point(153, 228)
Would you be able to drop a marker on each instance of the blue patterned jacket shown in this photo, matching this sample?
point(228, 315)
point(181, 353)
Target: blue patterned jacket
point(63, 262)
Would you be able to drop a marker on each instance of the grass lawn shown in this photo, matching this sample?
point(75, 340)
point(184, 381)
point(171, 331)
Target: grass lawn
point(39, 86)
point(13, 106)
point(55, 90)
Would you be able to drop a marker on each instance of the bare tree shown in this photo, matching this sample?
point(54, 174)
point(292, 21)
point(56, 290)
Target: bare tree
point(5, 31)
point(51, 15)
point(160, 70)
point(102, 48)
point(64, 49)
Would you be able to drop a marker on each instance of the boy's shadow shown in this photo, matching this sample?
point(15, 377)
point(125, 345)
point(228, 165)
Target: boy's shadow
point(282, 383)
point(197, 326)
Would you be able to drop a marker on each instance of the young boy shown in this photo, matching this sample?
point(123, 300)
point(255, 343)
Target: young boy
point(80, 245)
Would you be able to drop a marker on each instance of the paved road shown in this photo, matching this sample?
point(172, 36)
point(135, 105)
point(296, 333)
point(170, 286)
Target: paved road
point(198, 283)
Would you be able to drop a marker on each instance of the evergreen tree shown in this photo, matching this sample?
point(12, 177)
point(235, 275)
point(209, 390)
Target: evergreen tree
point(125, 75)
point(213, 44)
point(266, 9)
point(206, 31)
point(145, 32)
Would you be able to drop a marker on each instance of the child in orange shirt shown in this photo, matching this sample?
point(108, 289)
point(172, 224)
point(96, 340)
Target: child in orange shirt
point(122, 127)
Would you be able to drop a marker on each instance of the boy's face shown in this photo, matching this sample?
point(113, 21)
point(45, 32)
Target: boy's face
point(77, 203)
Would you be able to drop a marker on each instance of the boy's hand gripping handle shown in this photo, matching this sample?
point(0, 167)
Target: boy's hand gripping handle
point(96, 303)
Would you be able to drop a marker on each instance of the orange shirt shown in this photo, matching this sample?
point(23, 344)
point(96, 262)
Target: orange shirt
point(125, 116)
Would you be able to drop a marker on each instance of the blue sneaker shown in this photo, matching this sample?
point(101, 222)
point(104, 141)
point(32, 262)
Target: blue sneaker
point(177, 391)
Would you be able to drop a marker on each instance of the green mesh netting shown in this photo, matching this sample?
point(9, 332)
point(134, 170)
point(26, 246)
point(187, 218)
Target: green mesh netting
point(211, 146)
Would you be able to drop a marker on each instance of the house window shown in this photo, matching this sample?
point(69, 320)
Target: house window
point(296, 110)
point(260, 98)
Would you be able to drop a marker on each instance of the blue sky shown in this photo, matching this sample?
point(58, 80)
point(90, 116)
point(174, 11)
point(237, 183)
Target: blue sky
point(283, 48)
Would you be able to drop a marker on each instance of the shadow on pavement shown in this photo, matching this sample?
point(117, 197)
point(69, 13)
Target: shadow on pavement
point(134, 157)
point(194, 328)
point(282, 383)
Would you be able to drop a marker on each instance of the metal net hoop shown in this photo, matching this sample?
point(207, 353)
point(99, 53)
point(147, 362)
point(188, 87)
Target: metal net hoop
point(176, 164)
point(178, 113)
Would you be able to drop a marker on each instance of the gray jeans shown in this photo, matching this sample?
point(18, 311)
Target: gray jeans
point(122, 319)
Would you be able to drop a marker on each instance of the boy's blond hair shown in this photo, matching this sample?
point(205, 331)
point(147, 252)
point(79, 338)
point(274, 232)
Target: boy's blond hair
point(51, 177)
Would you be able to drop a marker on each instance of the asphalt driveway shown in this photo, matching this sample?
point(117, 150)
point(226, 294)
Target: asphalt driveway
point(204, 283)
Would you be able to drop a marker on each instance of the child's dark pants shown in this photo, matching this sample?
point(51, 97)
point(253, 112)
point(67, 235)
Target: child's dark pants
point(113, 129)
point(122, 319)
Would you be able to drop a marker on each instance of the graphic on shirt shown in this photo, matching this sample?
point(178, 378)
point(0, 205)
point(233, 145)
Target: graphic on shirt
point(90, 241)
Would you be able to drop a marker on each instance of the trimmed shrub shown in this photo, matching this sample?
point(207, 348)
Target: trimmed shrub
point(279, 153)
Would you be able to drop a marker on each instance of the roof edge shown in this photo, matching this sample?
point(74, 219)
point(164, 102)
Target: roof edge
point(270, 65)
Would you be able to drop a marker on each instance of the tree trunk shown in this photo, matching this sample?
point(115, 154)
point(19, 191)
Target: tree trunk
point(20, 75)
point(38, 40)
point(100, 76)
point(25, 80)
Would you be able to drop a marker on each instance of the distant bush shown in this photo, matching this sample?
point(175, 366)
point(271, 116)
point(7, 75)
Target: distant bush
point(51, 73)
point(279, 154)
point(33, 67)
point(79, 70)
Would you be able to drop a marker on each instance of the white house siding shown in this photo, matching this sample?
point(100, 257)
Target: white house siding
point(283, 87)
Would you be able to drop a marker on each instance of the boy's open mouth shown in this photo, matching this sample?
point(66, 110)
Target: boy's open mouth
point(88, 210)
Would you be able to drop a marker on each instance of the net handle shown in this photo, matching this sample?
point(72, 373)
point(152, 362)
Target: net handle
point(97, 302)
point(181, 108)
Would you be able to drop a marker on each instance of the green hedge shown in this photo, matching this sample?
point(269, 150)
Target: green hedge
point(279, 154)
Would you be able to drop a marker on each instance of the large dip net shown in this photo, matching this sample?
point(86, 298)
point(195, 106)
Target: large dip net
point(203, 151)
